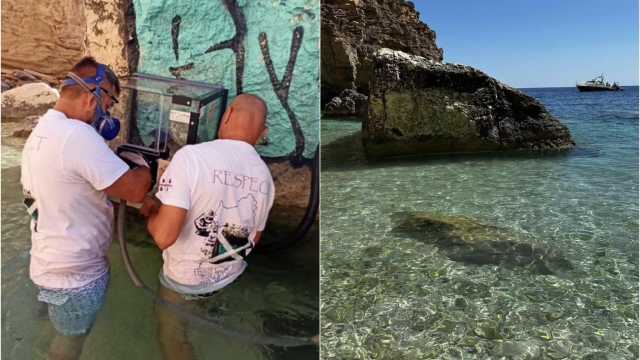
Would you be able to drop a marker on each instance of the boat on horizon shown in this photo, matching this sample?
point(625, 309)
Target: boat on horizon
point(598, 84)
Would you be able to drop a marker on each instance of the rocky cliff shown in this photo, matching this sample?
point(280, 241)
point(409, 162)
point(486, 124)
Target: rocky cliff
point(352, 30)
point(49, 36)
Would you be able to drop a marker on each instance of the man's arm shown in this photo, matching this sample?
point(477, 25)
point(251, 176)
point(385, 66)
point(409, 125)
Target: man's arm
point(256, 239)
point(132, 186)
point(165, 225)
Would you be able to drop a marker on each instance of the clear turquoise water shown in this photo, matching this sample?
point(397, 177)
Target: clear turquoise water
point(277, 295)
point(396, 294)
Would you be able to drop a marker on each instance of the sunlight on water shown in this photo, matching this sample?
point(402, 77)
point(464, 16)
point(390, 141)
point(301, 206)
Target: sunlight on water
point(522, 257)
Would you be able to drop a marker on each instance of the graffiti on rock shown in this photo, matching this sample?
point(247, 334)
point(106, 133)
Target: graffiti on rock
point(281, 87)
point(175, 32)
point(236, 43)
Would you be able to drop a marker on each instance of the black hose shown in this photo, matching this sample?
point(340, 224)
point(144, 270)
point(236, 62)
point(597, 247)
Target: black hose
point(284, 341)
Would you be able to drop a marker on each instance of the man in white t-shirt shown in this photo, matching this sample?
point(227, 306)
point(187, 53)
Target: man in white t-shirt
point(215, 200)
point(67, 173)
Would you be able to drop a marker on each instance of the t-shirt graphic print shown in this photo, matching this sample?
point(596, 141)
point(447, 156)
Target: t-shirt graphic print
point(212, 226)
point(228, 192)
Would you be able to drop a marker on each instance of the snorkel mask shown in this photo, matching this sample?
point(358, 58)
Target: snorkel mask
point(106, 125)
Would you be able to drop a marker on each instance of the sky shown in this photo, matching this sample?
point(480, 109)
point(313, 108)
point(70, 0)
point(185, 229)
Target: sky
point(538, 43)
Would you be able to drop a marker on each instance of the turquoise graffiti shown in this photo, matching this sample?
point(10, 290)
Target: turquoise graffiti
point(267, 47)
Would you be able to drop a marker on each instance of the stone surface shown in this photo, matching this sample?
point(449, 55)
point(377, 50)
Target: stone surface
point(26, 126)
point(471, 242)
point(51, 36)
point(353, 30)
point(227, 42)
point(292, 186)
point(42, 35)
point(32, 99)
point(348, 103)
point(418, 106)
point(107, 33)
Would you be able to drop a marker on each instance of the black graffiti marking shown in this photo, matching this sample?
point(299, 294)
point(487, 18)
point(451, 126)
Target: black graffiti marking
point(281, 87)
point(178, 70)
point(236, 43)
point(175, 32)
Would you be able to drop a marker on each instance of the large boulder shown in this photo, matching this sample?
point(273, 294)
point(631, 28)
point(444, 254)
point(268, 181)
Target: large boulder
point(33, 99)
point(25, 127)
point(353, 30)
point(419, 106)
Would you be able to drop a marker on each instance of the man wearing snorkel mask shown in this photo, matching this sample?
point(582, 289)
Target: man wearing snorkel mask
point(68, 172)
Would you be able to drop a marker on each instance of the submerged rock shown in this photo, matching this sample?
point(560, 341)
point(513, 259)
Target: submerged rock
point(33, 99)
point(465, 240)
point(418, 106)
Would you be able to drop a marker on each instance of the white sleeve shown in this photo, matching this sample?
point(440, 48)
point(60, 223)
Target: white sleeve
point(174, 185)
point(86, 154)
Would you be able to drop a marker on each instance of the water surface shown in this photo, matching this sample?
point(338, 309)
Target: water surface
point(391, 291)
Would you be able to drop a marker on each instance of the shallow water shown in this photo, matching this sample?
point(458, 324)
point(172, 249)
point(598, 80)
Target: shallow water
point(277, 295)
point(394, 287)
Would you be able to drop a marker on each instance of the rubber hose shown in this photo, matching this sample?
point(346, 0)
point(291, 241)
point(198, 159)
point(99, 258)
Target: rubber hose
point(283, 341)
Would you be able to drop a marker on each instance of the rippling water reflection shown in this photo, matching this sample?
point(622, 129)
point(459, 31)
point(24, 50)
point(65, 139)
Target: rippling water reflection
point(398, 284)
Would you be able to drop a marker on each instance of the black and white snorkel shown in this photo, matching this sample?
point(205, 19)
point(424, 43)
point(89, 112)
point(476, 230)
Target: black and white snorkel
point(106, 125)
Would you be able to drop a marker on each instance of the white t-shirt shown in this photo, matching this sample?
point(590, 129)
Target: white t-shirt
point(228, 192)
point(65, 166)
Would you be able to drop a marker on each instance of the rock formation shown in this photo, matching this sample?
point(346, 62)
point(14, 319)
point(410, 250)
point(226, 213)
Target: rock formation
point(352, 30)
point(348, 103)
point(470, 242)
point(421, 106)
point(47, 36)
point(50, 36)
point(417, 104)
point(28, 100)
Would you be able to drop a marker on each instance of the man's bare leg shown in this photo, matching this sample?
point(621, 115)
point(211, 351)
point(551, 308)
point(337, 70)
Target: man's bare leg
point(172, 332)
point(66, 347)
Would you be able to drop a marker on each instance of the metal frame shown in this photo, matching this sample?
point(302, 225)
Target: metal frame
point(194, 103)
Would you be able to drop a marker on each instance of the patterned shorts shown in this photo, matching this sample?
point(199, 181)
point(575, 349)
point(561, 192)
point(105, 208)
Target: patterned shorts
point(73, 311)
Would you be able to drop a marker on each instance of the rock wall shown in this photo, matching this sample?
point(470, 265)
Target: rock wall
point(42, 35)
point(51, 36)
point(268, 48)
point(418, 106)
point(352, 30)
point(107, 33)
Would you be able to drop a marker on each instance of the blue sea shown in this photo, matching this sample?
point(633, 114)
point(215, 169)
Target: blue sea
point(397, 283)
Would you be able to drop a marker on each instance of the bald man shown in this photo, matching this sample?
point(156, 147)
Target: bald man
point(215, 198)
point(214, 201)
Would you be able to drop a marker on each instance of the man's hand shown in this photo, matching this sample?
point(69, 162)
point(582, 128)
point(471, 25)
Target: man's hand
point(150, 206)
